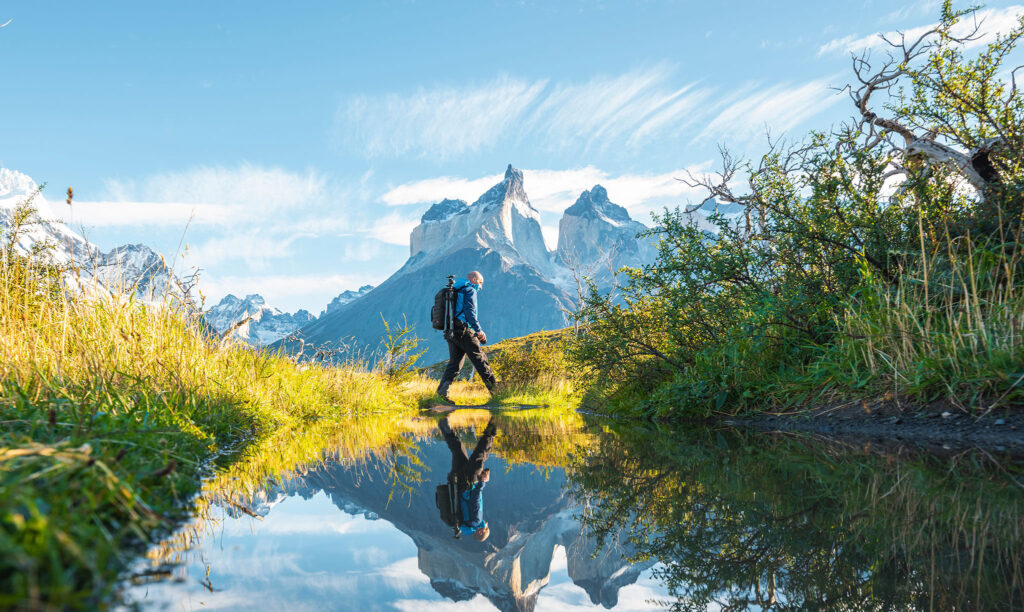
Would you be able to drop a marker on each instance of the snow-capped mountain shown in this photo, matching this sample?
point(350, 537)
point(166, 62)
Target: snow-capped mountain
point(345, 298)
point(138, 269)
point(262, 324)
point(133, 268)
point(598, 237)
point(16, 188)
point(527, 287)
point(501, 220)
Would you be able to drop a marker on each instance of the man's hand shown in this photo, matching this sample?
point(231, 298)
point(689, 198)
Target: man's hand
point(482, 337)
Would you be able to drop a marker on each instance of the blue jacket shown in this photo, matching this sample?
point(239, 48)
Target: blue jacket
point(465, 304)
point(471, 504)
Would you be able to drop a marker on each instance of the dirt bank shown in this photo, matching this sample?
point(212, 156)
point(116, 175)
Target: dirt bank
point(939, 425)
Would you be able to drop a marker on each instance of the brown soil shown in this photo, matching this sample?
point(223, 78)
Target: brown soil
point(938, 425)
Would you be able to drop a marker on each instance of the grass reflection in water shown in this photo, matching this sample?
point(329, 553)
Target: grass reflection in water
point(786, 523)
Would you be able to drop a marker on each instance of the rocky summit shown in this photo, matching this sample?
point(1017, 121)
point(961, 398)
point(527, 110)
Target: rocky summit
point(528, 288)
point(597, 237)
point(252, 321)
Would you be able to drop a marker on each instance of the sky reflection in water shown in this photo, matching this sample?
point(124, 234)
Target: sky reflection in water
point(692, 519)
point(330, 538)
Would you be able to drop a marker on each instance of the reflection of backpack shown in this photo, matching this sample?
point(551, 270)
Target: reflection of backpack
point(446, 498)
point(443, 310)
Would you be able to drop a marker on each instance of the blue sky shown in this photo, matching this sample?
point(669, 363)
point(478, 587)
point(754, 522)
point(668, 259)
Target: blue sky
point(305, 139)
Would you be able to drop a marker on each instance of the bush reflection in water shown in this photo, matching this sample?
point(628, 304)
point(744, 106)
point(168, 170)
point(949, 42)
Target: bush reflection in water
point(787, 523)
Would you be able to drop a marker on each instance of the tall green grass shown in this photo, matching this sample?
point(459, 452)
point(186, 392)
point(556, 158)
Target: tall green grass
point(952, 328)
point(109, 411)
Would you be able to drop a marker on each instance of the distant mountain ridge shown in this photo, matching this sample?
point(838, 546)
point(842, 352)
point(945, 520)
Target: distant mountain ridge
point(251, 320)
point(527, 287)
point(131, 268)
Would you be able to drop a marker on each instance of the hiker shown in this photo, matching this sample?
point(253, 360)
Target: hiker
point(470, 477)
point(466, 337)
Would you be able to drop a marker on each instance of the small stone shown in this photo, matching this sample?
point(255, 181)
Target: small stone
point(1000, 422)
point(946, 415)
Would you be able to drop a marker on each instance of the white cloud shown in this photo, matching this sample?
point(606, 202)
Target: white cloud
point(113, 213)
point(605, 110)
point(393, 229)
point(441, 121)
point(202, 196)
point(627, 110)
point(254, 188)
point(252, 246)
point(427, 190)
point(750, 112)
point(991, 22)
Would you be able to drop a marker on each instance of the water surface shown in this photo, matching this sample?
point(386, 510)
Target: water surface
point(588, 515)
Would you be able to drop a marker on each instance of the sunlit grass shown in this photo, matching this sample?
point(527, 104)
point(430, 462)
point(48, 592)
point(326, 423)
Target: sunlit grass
point(110, 410)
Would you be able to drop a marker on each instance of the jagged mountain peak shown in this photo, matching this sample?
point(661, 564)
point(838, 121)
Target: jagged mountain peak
point(444, 209)
point(501, 220)
point(510, 189)
point(596, 202)
point(262, 324)
point(345, 298)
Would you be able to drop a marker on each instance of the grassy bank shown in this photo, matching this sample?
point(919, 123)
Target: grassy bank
point(110, 411)
point(858, 265)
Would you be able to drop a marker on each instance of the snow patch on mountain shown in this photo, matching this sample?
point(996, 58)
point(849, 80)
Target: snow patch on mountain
point(260, 324)
point(345, 298)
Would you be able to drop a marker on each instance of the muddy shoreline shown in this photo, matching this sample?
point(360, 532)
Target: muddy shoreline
point(939, 426)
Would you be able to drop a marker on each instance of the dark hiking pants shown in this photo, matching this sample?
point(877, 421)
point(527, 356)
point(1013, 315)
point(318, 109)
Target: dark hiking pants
point(467, 469)
point(465, 344)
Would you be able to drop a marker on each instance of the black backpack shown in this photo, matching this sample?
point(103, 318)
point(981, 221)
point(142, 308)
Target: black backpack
point(442, 313)
point(447, 500)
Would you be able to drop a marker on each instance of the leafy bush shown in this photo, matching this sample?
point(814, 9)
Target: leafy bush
point(749, 312)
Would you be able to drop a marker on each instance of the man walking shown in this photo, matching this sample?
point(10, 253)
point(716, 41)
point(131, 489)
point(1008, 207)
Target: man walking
point(467, 336)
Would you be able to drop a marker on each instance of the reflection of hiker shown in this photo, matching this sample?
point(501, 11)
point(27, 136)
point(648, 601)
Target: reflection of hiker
point(470, 477)
point(467, 336)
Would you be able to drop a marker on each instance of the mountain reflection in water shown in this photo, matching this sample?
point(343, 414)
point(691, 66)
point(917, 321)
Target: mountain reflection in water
point(593, 515)
point(534, 523)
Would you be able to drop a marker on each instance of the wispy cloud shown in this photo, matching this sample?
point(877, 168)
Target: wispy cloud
point(440, 121)
point(751, 111)
point(427, 189)
point(990, 23)
point(627, 110)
